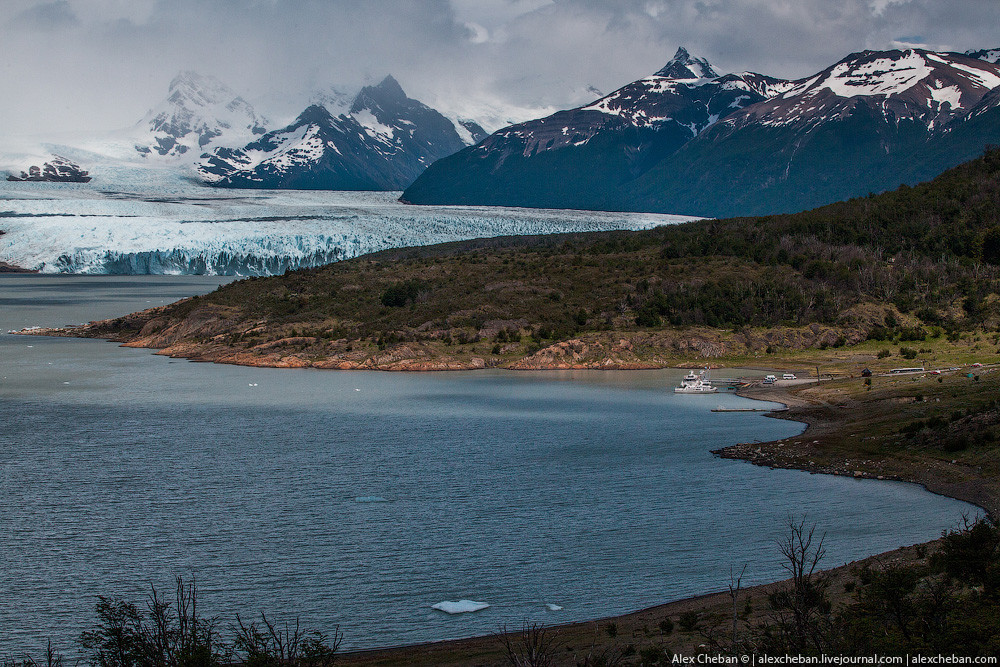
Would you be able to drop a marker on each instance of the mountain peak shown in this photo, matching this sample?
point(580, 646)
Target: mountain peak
point(387, 93)
point(186, 78)
point(198, 110)
point(390, 86)
point(189, 87)
point(684, 66)
point(316, 114)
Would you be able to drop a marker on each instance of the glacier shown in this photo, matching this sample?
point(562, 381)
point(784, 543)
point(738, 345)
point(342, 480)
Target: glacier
point(158, 222)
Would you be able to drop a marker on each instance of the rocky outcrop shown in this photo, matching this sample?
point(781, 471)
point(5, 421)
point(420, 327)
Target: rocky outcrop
point(56, 170)
point(211, 332)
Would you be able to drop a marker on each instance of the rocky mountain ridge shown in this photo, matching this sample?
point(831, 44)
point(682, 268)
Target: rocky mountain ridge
point(702, 144)
point(608, 142)
point(382, 142)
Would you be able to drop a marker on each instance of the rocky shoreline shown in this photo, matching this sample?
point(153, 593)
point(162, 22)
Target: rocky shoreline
point(824, 407)
point(806, 453)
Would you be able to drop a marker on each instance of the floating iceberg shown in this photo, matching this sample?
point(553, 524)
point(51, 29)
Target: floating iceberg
point(460, 607)
point(553, 607)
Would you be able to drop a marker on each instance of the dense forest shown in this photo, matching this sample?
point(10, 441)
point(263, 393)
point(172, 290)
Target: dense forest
point(900, 263)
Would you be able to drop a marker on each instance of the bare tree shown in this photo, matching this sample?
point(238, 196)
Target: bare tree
point(735, 583)
point(801, 613)
point(269, 644)
point(531, 646)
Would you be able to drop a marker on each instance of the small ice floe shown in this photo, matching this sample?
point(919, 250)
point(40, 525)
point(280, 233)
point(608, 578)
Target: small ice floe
point(251, 384)
point(459, 607)
point(356, 389)
point(553, 607)
point(370, 499)
point(65, 382)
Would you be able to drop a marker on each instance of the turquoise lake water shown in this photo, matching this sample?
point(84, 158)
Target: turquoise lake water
point(361, 499)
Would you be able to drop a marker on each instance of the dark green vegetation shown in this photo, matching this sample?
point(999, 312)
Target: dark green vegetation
point(909, 265)
point(165, 633)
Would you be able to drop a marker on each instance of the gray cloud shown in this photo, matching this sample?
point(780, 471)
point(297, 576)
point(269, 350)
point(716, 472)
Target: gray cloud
point(98, 64)
point(45, 17)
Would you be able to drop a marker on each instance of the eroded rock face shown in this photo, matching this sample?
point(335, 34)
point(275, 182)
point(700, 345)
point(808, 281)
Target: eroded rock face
point(56, 170)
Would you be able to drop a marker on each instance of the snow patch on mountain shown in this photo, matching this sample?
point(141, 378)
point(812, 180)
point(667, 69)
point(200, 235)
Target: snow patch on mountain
point(882, 76)
point(58, 169)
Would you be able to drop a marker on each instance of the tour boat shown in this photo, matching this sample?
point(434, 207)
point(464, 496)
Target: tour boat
point(696, 384)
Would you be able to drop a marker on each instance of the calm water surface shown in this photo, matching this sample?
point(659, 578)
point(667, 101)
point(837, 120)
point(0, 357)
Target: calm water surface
point(361, 499)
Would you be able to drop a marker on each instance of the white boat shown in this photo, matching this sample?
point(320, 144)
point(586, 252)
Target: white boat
point(696, 384)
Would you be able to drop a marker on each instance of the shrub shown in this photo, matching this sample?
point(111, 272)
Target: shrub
point(401, 293)
point(688, 621)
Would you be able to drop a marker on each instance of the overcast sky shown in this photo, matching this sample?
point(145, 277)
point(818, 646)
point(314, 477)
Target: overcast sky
point(72, 65)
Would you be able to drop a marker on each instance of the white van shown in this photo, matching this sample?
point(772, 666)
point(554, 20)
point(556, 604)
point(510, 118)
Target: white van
point(789, 376)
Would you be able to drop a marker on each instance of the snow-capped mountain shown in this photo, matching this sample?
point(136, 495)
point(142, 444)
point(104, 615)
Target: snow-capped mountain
point(605, 143)
point(865, 124)
point(199, 111)
point(382, 142)
point(696, 143)
point(931, 89)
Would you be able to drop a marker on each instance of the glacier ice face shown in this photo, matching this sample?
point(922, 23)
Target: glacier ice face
point(167, 225)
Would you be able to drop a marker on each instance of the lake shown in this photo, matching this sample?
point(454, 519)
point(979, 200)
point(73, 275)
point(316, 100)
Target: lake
point(360, 499)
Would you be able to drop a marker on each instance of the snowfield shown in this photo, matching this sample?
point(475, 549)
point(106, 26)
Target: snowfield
point(159, 223)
